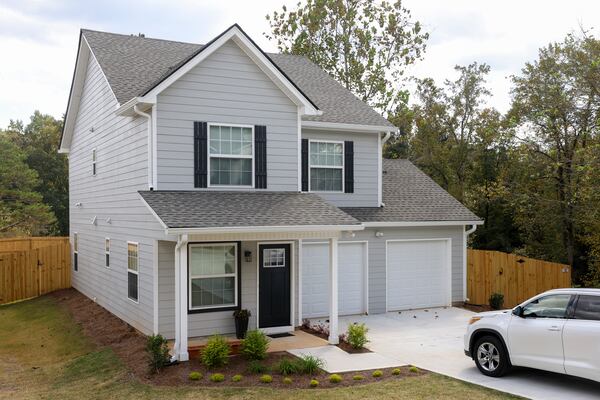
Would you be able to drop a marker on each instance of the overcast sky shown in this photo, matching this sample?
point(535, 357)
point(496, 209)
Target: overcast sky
point(38, 38)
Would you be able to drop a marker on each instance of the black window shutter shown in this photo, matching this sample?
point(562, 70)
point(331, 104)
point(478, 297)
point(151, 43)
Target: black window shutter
point(349, 167)
point(260, 157)
point(305, 165)
point(200, 155)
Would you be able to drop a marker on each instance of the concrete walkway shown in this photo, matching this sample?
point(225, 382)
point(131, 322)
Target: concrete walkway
point(337, 360)
point(433, 340)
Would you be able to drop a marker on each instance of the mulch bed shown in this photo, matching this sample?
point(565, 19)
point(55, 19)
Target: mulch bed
point(105, 329)
point(342, 345)
point(476, 308)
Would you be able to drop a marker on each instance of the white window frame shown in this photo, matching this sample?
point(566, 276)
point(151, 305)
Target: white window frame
point(343, 166)
point(137, 247)
point(75, 251)
point(210, 156)
point(235, 274)
point(94, 159)
point(107, 252)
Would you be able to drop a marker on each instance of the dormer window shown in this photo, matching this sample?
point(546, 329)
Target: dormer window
point(231, 152)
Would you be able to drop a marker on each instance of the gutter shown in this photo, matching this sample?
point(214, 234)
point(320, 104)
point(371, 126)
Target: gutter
point(259, 229)
point(150, 147)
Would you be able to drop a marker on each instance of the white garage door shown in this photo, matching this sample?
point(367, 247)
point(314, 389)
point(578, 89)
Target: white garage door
point(315, 279)
point(418, 274)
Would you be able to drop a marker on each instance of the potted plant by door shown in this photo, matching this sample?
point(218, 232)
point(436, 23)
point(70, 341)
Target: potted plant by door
point(241, 322)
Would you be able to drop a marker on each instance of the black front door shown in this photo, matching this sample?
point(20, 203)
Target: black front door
point(274, 285)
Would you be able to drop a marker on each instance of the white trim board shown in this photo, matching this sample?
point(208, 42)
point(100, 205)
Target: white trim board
point(344, 127)
point(386, 224)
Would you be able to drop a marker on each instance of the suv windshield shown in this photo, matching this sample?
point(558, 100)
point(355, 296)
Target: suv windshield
point(552, 306)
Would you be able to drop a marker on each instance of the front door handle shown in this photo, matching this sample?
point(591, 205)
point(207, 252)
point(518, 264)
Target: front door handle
point(554, 328)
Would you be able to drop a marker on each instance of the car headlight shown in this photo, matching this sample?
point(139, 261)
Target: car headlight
point(474, 319)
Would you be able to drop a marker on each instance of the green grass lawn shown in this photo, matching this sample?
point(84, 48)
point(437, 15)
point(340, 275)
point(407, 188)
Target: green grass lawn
point(44, 355)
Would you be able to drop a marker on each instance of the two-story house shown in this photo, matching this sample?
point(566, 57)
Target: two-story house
point(209, 178)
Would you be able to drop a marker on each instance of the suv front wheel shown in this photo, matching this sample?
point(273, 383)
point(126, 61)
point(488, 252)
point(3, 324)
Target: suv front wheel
point(490, 356)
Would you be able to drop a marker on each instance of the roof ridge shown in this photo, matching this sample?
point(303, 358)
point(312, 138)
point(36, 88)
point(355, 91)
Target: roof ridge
point(140, 37)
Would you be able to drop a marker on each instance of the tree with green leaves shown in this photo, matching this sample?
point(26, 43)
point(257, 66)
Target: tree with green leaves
point(22, 210)
point(39, 141)
point(363, 44)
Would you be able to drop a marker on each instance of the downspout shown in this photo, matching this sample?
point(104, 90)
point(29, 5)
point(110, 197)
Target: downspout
point(150, 147)
point(465, 237)
point(380, 167)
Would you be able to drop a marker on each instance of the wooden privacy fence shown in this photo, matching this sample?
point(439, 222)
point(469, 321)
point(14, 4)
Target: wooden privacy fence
point(30, 267)
point(517, 278)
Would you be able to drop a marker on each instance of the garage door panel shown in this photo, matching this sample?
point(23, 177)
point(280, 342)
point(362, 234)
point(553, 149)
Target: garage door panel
point(315, 279)
point(417, 274)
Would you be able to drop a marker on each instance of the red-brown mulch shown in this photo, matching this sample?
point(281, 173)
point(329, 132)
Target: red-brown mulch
point(476, 307)
point(342, 344)
point(105, 329)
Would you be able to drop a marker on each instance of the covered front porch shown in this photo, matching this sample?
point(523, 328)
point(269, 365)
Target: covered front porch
point(239, 250)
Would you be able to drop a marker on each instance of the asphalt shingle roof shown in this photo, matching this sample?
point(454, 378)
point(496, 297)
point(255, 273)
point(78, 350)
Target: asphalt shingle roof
point(410, 195)
point(134, 64)
point(211, 209)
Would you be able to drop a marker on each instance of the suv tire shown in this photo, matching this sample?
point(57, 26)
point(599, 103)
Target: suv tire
point(491, 357)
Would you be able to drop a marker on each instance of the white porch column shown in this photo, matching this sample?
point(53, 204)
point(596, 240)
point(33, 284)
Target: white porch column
point(181, 318)
point(333, 291)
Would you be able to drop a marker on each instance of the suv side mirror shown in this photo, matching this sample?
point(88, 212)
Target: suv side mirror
point(518, 311)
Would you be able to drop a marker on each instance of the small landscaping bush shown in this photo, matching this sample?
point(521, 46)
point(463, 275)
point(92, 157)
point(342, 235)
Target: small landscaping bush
point(266, 379)
point(377, 374)
point(195, 376)
point(357, 335)
point(413, 369)
point(236, 378)
point(335, 378)
point(496, 301)
point(254, 346)
point(314, 383)
point(216, 352)
point(287, 380)
point(217, 378)
point(396, 371)
point(310, 364)
point(256, 367)
point(287, 366)
point(158, 353)
point(358, 377)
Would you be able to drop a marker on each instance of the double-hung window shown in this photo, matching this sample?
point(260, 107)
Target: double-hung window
point(213, 276)
point(75, 251)
point(326, 166)
point(132, 271)
point(94, 162)
point(231, 153)
point(107, 252)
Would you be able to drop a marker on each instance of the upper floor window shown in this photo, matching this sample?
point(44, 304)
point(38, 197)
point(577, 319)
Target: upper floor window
point(326, 166)
point(107, 252)
point(231, 153)
point(94, 162)
point(132, 271)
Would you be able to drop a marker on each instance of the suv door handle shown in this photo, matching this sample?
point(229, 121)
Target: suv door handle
point(554, 328)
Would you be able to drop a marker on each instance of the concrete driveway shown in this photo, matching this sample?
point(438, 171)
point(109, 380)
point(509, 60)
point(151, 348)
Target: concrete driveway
point(433, 339)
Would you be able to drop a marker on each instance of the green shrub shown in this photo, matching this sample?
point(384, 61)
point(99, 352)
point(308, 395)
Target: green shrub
point(335, 378)
point(310, 364)
point(496, 301)
point(396, 371)
point(266, 379)
point(358, 377)
point(413, 369)
point(254, 346)
point(314, 383)
point(158, 353)
point(287, 366)
point(256, 367)
point(357, 335)
point(377, 374)
point(216, 352)
point(217, 378)
point(195, 376)
point(236, 378)
point(287, 380)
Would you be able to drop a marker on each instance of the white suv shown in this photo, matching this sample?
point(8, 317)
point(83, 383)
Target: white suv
point(556, 331)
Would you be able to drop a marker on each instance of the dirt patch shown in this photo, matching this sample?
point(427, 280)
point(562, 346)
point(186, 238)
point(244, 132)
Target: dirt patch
point(105, 329)
point(342, 345)
point(476, 308)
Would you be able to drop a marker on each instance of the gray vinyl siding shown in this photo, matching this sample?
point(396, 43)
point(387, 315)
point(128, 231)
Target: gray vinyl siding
point(365, 168)
point(209, 323)
point(377, 255)
point(111, 197)
point(227, 88)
